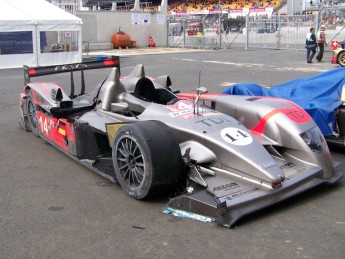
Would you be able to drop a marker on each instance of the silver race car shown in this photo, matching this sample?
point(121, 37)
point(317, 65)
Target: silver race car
point(137, 132)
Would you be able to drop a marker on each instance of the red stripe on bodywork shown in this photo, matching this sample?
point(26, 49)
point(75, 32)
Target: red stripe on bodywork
point(194, 95)
point(296, 114)
point(262, 123)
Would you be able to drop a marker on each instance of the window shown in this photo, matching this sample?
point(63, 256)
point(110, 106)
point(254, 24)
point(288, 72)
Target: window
point(19, 42)
point(58, 41)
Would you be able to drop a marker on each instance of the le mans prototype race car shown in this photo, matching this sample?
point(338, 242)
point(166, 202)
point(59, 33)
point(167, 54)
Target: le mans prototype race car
point(338, 54)
point(137, 132)
point(322, 96)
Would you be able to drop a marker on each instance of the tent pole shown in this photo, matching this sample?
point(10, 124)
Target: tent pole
point(37, 45)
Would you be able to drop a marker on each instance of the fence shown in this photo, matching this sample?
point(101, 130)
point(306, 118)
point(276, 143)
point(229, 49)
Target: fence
point(279, 31)
point(275, 32)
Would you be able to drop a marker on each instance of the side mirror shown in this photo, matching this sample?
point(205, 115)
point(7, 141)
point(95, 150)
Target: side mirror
point(201, 90)
point(116, 107)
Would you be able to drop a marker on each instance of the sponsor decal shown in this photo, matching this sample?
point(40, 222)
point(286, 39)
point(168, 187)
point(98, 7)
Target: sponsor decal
point(185, 110)
point(187, 114)
point(180, 106)
point(287, 165)
point(267, 165)
point(293, 172)
point(236, 136)
point(212, 121)
point(226, 187)
point(57, 130)
point(241, 193)
point(181, 109)
point(297, 115)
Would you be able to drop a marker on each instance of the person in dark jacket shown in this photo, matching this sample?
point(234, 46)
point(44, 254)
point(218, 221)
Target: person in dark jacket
point(310, 44)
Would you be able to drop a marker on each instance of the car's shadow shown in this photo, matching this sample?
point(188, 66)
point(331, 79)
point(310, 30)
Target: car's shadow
point(291, 203)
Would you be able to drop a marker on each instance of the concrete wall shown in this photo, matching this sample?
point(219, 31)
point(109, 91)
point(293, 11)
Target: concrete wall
point(99, 26)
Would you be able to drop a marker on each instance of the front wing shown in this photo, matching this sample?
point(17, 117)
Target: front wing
point(227, 203)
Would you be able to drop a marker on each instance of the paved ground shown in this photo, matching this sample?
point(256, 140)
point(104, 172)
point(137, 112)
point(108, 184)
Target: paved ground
point(51, 207)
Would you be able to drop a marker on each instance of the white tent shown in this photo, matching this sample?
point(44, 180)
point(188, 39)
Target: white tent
point(37, 33)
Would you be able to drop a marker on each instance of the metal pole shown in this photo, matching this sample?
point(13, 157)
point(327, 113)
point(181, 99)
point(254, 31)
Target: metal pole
point(184, 32)
point(247, 31)
point(318, 18)
point(220, 28)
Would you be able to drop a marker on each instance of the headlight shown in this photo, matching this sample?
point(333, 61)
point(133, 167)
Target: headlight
point(314, 139)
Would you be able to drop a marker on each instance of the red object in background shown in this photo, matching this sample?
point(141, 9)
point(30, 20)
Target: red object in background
point(334, 44)
point(152, 43)
point(334, 60)
point(121, 40)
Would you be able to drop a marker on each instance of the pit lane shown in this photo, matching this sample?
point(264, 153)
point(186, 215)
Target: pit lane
point(51, 206)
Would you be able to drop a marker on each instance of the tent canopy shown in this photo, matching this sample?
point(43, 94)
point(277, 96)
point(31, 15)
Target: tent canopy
point(34, 12)
point(38, 33)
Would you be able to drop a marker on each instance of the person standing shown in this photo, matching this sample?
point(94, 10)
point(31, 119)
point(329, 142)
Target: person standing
point(310, 44)
point(278, 38)
point(321, 42)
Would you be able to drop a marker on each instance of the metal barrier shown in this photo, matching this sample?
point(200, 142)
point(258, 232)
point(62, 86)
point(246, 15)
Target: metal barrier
point(199, 42)
point(195, 31)
point(275, 32)
point(279, 32)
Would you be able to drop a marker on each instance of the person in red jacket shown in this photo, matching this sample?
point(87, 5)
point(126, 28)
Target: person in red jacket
point(321, 42)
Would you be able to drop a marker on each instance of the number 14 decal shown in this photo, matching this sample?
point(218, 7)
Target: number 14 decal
point(45, 124)
point(236, 136)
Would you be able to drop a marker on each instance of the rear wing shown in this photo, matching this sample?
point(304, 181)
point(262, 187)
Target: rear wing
point(113, 61)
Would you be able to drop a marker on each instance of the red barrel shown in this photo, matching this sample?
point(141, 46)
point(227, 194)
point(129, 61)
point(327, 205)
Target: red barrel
point(121, 40)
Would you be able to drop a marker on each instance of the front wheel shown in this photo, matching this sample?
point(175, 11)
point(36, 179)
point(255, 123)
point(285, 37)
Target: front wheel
point(147, 159)
point(341, 58)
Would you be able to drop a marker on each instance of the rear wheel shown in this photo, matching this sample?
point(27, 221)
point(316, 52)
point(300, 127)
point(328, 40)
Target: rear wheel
point(32, 115)
point(341, 58)
point(147, 159)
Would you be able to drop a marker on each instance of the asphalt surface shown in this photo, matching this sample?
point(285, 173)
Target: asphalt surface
point(52, 207)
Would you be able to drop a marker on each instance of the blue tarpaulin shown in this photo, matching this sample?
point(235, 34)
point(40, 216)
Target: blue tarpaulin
point(319, 95)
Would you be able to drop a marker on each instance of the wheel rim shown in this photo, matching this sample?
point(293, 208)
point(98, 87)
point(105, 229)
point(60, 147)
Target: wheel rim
point(32, 113)
point(342, 59)
point(130, 162)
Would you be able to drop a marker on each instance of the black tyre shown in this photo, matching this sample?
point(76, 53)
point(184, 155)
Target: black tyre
point(341, 58)
point(32, 115)
point(340, 115)
point(147, 159)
